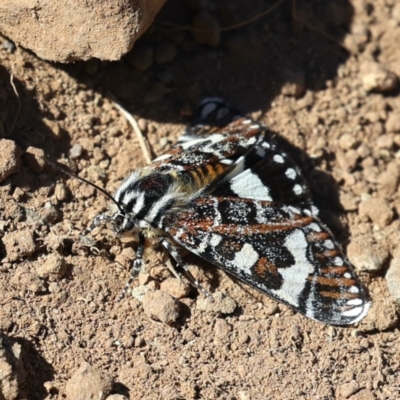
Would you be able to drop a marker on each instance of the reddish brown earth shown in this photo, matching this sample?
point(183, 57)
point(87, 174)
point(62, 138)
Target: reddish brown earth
point(328, 86)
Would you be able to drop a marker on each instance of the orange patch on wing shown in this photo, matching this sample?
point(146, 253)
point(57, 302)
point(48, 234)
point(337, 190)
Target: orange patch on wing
point(337, 295)
point(334, 282)
point(264, 266)
point(318, 236)
point(334, 270)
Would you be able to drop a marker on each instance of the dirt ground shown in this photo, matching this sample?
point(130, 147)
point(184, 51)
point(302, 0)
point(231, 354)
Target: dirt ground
point(305, 74)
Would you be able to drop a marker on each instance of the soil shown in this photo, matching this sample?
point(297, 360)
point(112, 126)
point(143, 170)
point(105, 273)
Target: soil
point(301, 71)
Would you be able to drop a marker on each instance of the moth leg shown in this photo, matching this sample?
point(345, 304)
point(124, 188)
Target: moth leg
point(182, 264)
point(136, 267)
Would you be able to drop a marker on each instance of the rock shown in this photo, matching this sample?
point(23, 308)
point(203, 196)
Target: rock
point(34, 159)
point(9, 160)
point(376, 78)
point(27, 280)
point(165, 52)
point(175, 287)
point(367, 255)
point(19, 244)
point(139, 292)
point(219, 303)
point(378, 210)
point(393, 123)
point(67, 31)
point(206, 29)
point(75, 151)
point(393, 279)
point(348, 389)
point(88, 383)
point(347, 141)
point(53, 268)
point(141, 57)
point(295, 83)
point(161, 306)
point(12, 374)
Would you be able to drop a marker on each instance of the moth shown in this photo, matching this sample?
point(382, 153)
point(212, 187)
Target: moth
point(230, 196)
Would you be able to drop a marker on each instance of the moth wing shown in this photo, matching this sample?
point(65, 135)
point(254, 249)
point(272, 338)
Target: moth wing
point(286, 254)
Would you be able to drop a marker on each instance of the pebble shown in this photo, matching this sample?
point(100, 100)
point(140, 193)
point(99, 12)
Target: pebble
point(165, 52)
point(385, 141)
point(12, 374)
point(88, 383)
point(53, 268)
point(396, 11)
point(347, 141)
point(388, 182)
point(117, 397)
point(49, 213)
point(378, 210)
point(348, 201)
point(75, 151)
point(160, 306)
point(28, 280)
point(205, 22)
point(295, 85)
point(393, 279)
point(222, 329)
point(375, 77)
point(219, 303)
point(34, 159)
point(61, 192)
point(141, 57)
point(348, 389)
point(175, 287)
point(366, 254)
point(393, 123)
point(19, 244)
point(9, 160)
point(139, 292)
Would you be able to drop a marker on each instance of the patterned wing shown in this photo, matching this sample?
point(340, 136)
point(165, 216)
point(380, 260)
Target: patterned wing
point(279, 250)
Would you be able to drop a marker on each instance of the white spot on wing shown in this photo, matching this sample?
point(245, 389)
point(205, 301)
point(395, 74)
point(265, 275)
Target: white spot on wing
point(338, 261)
point(139, 203)
point(250, 186)
point(354, 289)
point(291, 173)
point(297, 189)
point(278, 159)
point(215, 240)
point(245, 258)
point(354, 302)
point(329, 244)
point(162, 157)
point(295, 276)
point(315, 227)
point(347, 275)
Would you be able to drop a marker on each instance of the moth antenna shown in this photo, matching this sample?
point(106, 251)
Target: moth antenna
point(71, 174)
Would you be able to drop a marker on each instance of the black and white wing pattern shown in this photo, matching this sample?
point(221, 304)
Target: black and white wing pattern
point(257, 222)
point(277, 249)
point(230, 195)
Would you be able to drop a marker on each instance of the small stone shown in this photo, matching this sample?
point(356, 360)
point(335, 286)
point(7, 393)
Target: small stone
point(49, 213)
point(53, 268)
point(88, 383)
point(75, 151)
point(364, 395)
point(165, 77)
point(347, 141)
point(9, 160)
point(219, 303)
point(348, 201)
point(12, 374)
point(366, 254)
point(206, 29)
point(117, 397)
point(161, 306)
point(388, 183)
point(295, 85)
point(19, 244)
point(139, 292)
point(141, 57)
point(378, 210)
point(348, 389)
point(393, 123)
point(385, 141)
point(396, 11)
point(393, 279)
point(61, 192)
point(34, 159)
point(175, 287)
point(28, 280)
point(165, 52)
point(376, 78)
point(222, 329)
